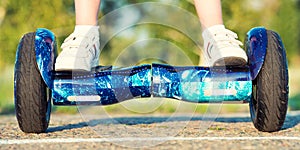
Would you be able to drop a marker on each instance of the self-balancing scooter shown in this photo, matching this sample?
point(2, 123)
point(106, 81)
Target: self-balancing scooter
point(263, 82)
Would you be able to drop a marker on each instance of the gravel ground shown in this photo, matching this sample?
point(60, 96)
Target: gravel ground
point(143, 128)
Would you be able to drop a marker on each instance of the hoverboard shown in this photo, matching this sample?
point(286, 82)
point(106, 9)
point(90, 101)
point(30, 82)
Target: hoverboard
point(263, 83)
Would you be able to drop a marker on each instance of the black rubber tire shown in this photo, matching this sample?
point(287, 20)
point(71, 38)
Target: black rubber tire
point(269, 103)
point(32, 97)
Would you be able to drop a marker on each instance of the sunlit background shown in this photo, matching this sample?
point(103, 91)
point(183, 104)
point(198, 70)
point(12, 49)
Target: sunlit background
point(18, 17)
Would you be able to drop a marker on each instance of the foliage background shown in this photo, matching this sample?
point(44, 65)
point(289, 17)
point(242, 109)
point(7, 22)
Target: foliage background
point(22, 16)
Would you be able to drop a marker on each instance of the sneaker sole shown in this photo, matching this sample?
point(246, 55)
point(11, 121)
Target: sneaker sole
point(230, 61)
point(70, 65)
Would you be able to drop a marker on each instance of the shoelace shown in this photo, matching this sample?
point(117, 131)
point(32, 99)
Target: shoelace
point(80, 42)
point(226, 38)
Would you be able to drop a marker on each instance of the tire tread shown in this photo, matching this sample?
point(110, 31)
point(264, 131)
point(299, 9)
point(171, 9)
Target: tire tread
point(30, 90)
point(272, 87)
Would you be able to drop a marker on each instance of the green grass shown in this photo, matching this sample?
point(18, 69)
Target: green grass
point(6, 90)
point(165, 106)
point(64, 109)
point(294, 102)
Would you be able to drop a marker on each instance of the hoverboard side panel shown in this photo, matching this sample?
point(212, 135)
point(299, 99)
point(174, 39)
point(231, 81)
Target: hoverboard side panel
point(45, 49)
point(192, 84)
point(256, 47)
point(112, 86)
point(201, 84)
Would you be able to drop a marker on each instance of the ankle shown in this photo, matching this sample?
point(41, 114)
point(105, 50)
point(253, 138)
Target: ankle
point(84, 29)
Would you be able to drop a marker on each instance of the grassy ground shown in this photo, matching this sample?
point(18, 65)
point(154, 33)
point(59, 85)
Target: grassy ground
point(6, 90)
point(294, 83)
point(165, 106)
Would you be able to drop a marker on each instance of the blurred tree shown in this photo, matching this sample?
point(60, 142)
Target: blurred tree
point(279, 15)
point(26, 15)
point(166, 20)
point(240, 15)
point(286, 21)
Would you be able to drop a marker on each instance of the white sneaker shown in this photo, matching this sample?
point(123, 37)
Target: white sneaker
point(80, 51)
point(221, 47)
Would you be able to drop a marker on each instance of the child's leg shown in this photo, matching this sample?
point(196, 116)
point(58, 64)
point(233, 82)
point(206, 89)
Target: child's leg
point(86, 12)
point(81, 50)
point(221, 46)
point(209, 12)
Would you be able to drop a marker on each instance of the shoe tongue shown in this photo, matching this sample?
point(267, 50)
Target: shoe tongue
point(208, 32)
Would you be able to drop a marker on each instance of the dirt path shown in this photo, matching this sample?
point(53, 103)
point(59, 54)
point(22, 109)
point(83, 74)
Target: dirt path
point(233, 131)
